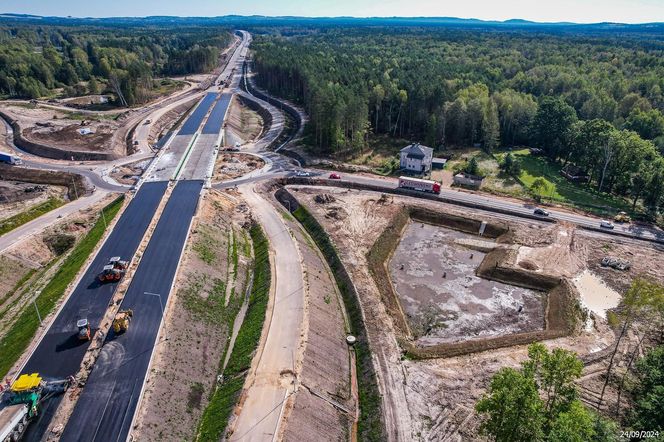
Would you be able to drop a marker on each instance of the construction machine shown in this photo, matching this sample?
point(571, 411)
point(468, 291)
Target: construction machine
point(122, 320)
point(21, 401)
point(622, 217)
point(114, 270)
point(83, 327)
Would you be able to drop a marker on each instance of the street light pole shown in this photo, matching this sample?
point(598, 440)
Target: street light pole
point(75, 191)
point(158, 296)
point(34, 302)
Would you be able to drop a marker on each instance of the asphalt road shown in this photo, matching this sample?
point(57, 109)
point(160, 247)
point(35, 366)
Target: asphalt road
point(105, 410)
point(218, 115)
point(59, 354)
point(515, 207)
point(194, 120)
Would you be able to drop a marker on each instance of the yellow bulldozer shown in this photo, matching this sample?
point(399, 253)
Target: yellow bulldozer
point(122, 320)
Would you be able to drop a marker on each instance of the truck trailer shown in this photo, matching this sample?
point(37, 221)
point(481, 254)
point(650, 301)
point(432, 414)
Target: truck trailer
point(10, 159)
point(21, 402)
point(419, 184)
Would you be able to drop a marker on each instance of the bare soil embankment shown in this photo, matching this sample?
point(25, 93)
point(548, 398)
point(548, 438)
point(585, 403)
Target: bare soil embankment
point(325, 404)
point(64, 135)
point(76, 184)
point(410, 388)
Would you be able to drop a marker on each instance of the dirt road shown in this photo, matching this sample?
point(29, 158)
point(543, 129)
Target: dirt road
point(272, 379)
point(38, 225)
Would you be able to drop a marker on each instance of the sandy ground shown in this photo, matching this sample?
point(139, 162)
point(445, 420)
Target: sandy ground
point(243, 124)
point(17, 197)
point(209, 289)
point(414, 407)
point(324, 406)
point(129, 173)
point(444, 301)
point(234, 165)
point(59, 129)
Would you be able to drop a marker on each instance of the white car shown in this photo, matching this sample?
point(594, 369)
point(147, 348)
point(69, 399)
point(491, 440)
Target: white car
point(606, 224)
point(302, 173)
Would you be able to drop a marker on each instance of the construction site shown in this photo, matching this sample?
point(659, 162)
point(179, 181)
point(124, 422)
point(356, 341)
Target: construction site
point(461, 305)
point(182, 279)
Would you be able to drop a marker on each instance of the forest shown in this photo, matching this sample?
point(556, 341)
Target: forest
point(593, 100)
point(44, 61)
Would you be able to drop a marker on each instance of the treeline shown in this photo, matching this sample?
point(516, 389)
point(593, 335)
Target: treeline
point(35, 61)
point(450, 88)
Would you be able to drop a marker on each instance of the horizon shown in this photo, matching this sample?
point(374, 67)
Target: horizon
point(18, 15)
point(560, 11)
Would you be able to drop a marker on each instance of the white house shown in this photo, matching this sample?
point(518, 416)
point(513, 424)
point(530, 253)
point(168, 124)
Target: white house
point(416, 158)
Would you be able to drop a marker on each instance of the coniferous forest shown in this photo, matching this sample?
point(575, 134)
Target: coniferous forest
point(36, 60)
point(592, 100)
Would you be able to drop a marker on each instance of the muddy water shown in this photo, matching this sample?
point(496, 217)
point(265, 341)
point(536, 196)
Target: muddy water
point(595, 295)
point(443, 298)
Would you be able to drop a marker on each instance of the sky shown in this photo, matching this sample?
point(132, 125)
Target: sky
point(579, 11)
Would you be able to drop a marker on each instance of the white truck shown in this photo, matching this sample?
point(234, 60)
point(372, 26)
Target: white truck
point(419, 184)
point(10, 159)
point(13, 421)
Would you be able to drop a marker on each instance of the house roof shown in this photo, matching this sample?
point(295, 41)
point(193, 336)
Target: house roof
point(416, 150)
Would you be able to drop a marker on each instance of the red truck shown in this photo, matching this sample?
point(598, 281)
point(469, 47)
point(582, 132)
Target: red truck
point(419, 184)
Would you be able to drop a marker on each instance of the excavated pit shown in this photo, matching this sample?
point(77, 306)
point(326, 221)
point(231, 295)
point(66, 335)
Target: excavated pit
point(433, 272)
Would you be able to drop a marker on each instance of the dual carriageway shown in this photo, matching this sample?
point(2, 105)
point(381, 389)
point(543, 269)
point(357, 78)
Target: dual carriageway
point(106, 407)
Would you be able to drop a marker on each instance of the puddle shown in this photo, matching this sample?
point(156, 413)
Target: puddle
point(595, 295)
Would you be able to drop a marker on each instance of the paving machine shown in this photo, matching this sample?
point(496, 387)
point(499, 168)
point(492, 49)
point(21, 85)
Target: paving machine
point(20, 403)
point(114, 270)
point(122, 320)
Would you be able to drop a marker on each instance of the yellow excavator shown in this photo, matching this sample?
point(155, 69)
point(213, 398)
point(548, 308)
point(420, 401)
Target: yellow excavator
point(122, 320)
point(622, 217)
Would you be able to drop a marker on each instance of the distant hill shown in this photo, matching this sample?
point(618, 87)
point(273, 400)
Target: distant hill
point(259, 20)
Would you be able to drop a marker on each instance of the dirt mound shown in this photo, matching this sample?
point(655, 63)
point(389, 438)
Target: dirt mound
point(337, 213)
point(70, 136)
point(14, 192)
point(528, 265)
point(324, 198)
point(76, 184)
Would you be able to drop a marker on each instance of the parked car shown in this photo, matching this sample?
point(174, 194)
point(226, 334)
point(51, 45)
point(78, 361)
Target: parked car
point(335, 176)
point(302, 173)
point(606, 224)
point(237, 144)
point(541, 212)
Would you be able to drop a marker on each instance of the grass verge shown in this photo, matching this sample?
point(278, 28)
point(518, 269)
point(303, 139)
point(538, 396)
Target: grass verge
point(563, 191)
point(223, 401)
point(370, 425)
point(14, 343)
point(11, 223)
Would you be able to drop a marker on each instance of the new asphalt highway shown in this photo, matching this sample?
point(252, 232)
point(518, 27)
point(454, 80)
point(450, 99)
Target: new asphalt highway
point(105, 410)
point(59, 353)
